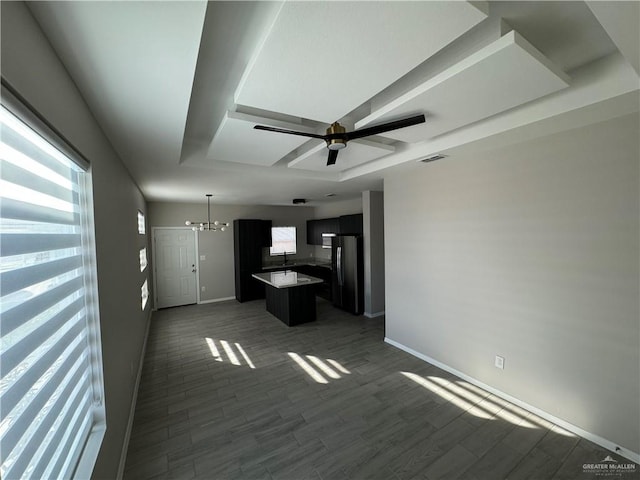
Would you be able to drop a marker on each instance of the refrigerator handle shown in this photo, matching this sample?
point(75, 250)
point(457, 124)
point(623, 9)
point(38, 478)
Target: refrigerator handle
point(339, 264)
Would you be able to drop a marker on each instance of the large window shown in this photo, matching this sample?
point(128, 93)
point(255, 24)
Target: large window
point(51, 392)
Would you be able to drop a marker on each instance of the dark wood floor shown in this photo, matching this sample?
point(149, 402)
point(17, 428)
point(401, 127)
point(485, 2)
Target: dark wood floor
point(230, 392)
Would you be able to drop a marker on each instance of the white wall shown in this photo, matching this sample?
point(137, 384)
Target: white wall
point(217, 271)
point(33, 69)
point(530, 252)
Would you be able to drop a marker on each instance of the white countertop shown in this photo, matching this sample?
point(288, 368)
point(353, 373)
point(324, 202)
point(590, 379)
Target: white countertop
point(285, 279)
point(325, 264)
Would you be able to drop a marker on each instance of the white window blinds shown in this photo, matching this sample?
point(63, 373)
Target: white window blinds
point(50, 364)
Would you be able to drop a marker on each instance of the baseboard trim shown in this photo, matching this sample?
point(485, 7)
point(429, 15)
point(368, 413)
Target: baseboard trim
point(216, 300)
point(592, 437)
point(132, 410)
point(374, 315)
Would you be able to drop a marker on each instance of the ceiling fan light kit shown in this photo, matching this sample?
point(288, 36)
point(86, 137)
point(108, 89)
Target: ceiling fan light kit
point(207, 226)
point(336, 140)
point(337, 136)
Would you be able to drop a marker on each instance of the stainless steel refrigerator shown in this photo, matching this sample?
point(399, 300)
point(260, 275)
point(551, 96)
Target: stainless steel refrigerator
point(347, 273)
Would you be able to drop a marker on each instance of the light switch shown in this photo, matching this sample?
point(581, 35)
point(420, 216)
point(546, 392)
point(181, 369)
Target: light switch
point(203, 257)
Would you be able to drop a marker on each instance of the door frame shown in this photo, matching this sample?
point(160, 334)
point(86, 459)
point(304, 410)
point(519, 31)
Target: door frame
point(153, 260)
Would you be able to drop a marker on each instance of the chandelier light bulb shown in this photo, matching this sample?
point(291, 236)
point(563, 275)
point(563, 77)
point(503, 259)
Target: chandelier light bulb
point(208, 225)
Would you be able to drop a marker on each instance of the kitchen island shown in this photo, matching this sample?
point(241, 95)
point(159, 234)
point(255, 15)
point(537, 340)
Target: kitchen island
point(290, 295)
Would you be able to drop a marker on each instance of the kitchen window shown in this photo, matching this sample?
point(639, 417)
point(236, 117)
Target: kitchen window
point(51, 387)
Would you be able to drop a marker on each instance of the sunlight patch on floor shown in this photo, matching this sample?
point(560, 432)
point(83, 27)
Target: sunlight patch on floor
point(244, 355)
point(318, 369)
point(328, 371)
point(472, 388)
point(463, 402)
point(473, 400)
point(214, 350)
point(562, 431)
point(338, 366)
point(312, 372)
point(515, 414)
point(228, 350)
point(230, 353)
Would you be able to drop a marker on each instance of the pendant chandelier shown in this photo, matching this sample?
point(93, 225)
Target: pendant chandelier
point(207, 226)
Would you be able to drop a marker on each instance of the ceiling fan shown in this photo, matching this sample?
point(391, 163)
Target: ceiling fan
point(337, 136)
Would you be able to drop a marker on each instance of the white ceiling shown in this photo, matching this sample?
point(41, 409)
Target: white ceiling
point(178, 86)
point(320, 60)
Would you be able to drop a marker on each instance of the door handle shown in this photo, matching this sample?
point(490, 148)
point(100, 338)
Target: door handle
point(194, 268)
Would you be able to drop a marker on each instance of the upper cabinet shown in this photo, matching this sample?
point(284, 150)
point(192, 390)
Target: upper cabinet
point(315, 229)
point(311, 232)
point(346, 224)
point(351, 224)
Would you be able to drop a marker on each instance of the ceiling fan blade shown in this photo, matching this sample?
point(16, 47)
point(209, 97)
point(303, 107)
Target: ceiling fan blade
point(289, 132)
point(385, 127)
point(333, 155)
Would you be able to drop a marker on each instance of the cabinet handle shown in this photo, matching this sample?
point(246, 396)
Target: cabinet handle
point(339, 265)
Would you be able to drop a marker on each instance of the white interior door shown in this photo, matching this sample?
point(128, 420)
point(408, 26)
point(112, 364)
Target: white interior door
point(175, 267)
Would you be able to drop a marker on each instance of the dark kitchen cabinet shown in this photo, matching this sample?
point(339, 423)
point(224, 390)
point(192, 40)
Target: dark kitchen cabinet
point(266, 233)
point(249, 238)
point(351, 224)
point(311, 232)
point(315, 229)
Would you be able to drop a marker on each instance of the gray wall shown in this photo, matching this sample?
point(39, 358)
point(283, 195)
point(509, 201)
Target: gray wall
point(217, 272)
point(373, 233)
point(33, 69)
point(530, 252)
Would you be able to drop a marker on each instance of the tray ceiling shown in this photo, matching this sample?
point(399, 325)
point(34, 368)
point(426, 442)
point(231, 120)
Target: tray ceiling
point(178, 90)
point(321, 60)
point(237, 141)
point(507, 73)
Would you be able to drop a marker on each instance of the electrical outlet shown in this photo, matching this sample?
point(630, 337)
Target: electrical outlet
point(203, 258)
point(203, 288)
point(499, 363)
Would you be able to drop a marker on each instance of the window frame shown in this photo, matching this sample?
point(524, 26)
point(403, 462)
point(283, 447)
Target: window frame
point(21, 109)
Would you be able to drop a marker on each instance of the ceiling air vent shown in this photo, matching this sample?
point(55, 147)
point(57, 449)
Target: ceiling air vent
point(432, 158)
